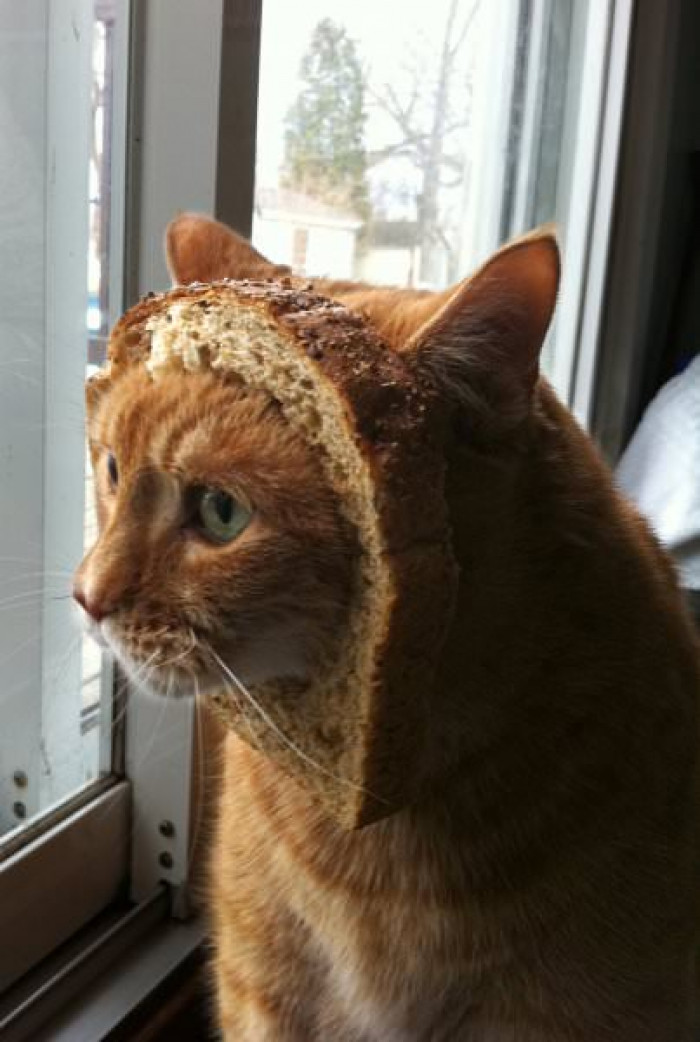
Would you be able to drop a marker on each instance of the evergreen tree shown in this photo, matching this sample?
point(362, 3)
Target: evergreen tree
point(324, 140)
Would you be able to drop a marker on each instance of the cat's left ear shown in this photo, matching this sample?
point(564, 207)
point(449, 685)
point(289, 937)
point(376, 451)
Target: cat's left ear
point(200, 249)
point(483, 344)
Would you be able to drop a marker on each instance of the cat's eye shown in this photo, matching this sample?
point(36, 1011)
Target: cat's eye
point(112, 470)
point(220, 516)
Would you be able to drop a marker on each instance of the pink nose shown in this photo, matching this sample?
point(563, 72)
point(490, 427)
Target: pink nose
point(97, 608)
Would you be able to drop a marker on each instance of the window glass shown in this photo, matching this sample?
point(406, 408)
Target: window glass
point(401, 143)
point(55, 134)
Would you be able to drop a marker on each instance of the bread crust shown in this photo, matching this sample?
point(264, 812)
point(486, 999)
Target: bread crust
point(392, 415)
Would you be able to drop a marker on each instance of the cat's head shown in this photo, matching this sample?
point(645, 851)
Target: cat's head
point(223, 551)
point(218, 533)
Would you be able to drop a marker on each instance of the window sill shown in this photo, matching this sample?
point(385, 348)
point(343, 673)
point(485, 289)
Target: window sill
point(49, 887)
point(100, 990)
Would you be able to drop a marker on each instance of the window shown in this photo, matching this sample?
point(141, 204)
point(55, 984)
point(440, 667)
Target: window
point(52, 690)
point(55, 136)
point(456, 128)
point(412, 141)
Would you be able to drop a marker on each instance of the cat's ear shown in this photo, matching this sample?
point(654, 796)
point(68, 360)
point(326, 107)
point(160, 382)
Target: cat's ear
point(200, 249)
point(482, 345)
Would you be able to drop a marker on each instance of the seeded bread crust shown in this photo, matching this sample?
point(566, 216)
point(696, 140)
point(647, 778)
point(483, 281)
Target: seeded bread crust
point(391, 415)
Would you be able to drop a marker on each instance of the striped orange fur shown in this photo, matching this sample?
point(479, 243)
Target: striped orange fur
point(546, 887)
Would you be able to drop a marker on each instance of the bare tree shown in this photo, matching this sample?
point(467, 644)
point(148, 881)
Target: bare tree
point(428, 117)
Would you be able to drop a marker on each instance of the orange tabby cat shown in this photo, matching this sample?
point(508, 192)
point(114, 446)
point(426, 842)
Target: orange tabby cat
point(546, 885)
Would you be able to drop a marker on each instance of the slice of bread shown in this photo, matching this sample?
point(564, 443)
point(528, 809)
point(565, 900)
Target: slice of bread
point(376, 425)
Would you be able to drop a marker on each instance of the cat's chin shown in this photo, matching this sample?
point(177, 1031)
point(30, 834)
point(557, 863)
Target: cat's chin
point(267, 660)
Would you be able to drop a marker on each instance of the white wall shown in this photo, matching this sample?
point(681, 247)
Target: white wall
point(330, 251)
point(389, 267)
point(273, 238)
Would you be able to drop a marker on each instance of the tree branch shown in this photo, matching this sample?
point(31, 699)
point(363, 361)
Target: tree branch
point(459, 42)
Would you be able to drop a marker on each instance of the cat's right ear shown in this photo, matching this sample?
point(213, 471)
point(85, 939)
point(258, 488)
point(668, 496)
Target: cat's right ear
point(200, 249)
point(482, 343)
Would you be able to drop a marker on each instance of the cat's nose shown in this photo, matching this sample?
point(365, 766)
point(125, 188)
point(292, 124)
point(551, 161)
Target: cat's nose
point(94, 605)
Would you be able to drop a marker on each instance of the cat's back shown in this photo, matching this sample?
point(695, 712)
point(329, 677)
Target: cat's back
point(556, 868)
point(411, 930)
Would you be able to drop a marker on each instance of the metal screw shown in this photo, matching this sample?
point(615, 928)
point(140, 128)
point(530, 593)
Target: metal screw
point(20, 779)
point(165, 860)
point(19, 809)
point(167, 829)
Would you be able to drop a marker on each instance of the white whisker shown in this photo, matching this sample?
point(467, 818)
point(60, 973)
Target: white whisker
point(199, 793)
point(30, 596)
point(183, 654)
point(157, 725)
point(228, 672)
point(137, 673)
point(64, 573)
point(121, 695)
point(54, 668)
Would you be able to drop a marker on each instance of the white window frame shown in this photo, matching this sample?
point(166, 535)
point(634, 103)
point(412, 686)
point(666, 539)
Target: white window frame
point(173, 119)
point(604, 82)
point(586, 181)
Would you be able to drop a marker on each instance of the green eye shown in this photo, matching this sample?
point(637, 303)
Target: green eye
point(220, 516)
